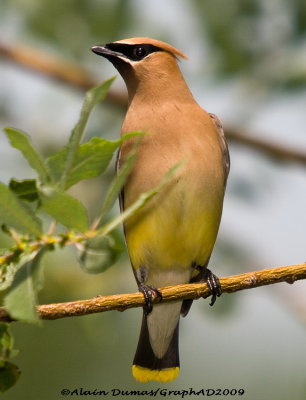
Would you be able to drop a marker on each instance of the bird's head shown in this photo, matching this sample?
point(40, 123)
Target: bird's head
point(141, 60)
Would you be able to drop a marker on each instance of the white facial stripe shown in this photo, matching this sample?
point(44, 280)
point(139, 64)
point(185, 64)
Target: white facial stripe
point(127, 60)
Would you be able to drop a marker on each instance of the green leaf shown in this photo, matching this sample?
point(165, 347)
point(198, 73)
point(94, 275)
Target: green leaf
point(8, 272)
point(21, 299)
point(139, 203)
point(92, 97)
point(9, 375)
point(25, 189)
point(7, 275)
point(64, 208)
point(91, 159)
point(16, 214)
point(22, 142)
point(99, 253)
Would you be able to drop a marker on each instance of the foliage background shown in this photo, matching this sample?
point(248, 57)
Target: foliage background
point(247, 64)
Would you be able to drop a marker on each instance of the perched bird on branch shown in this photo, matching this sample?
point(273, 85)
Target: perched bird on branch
point(171, 239)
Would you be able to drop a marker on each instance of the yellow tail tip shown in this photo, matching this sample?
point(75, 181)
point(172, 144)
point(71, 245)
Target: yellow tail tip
point(142, 374)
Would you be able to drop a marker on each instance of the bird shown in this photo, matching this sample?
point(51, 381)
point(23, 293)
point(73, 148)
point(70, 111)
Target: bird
point(170, 240)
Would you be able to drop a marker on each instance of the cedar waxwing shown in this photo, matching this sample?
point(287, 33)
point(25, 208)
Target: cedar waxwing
point(171, 239)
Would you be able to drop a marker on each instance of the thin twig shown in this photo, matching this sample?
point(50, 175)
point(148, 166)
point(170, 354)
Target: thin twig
point(121, 302)
point(77, 77)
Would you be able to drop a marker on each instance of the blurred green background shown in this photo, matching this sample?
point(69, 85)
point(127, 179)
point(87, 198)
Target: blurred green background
point(248, 65)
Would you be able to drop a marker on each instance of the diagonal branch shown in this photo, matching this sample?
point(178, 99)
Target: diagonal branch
point(73, 75)
point(121, 302)
point(65, 72)
point(276, 151)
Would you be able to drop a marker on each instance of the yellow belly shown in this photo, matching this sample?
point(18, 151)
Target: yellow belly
point(175, 230)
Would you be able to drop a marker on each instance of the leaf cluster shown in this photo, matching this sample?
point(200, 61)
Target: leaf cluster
point(40, 215)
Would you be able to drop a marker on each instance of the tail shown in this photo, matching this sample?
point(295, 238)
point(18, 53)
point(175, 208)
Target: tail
point(147, 366)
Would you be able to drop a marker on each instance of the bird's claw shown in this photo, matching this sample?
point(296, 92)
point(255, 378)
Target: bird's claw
point(150, 293)
point(214, 285)
point(212, 282)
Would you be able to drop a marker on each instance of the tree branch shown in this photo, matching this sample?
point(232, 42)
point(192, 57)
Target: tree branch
point(69, 73)
point(75, 76)
point(280, 153)
point(121, 302)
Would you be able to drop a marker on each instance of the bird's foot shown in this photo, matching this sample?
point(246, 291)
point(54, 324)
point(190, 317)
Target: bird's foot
point(213, 283)
point(150, 293)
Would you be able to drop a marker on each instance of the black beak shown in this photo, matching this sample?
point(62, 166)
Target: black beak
point(105, 52)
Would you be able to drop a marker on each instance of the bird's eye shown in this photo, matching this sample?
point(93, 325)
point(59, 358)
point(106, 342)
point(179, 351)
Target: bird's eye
point(140, 52)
